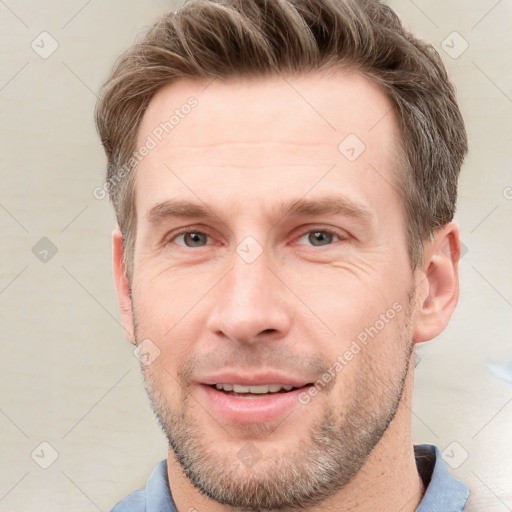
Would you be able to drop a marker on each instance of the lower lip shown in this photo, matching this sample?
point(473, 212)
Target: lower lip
point(259, 409)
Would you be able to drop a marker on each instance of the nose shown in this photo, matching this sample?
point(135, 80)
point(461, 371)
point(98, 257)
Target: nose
point(250, 303)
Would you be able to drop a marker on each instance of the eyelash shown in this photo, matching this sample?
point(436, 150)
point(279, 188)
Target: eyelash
point(341, 237)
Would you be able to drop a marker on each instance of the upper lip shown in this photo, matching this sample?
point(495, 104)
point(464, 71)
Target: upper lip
point(254, 379)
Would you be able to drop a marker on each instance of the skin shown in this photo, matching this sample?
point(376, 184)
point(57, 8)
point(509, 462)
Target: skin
point(247, 147)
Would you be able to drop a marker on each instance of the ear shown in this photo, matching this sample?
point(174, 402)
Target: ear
point(437, 283)
point(122, 286)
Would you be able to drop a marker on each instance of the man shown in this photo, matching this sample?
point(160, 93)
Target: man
point(284, 175)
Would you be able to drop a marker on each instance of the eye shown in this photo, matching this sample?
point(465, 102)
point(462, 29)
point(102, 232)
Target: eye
point(320, 237)
point(191, 238)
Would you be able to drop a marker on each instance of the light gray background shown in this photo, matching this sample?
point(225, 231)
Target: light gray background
point(67, 376)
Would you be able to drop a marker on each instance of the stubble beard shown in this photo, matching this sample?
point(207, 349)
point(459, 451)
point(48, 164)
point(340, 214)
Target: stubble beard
point(329, 456)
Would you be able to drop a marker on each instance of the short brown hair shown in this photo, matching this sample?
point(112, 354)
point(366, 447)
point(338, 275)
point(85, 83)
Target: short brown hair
point(207, 39)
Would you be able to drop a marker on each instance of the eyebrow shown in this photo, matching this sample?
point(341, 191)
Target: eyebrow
point(328, 205)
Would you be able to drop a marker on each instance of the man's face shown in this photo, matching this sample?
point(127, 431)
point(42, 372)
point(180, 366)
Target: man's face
point(296, 270)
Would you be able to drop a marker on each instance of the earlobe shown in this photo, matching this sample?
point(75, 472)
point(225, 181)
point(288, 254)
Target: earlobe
point(122, 285)
point(438, 283)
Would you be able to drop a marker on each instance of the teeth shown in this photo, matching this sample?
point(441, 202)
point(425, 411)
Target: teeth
point(257, 390)
point(225, 387)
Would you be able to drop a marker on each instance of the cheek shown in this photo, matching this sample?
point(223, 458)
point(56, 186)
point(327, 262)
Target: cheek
point(166, 314)
point(163, 297)
point(348, 297)
point(373, 360)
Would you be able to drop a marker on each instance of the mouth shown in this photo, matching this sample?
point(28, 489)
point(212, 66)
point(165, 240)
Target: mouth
point(251, 404)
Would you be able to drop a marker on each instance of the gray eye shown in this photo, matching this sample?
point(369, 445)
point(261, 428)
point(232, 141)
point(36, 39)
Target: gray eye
point(193, 239)
point(320, 238)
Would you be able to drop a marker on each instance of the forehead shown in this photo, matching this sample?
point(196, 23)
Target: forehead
point(281, 131)
point(335, 101)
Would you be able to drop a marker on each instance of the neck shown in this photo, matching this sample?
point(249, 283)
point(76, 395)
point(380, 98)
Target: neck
point(388, 481)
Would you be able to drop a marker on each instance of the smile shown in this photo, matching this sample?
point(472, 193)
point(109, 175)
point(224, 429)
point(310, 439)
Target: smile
point(255, 404)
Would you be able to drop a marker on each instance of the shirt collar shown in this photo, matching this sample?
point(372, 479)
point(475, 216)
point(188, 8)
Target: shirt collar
point(158, 494)
point(444, 492)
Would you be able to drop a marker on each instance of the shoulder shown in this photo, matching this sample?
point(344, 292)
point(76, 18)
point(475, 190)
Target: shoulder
point(134, 502)
point(156, 497)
